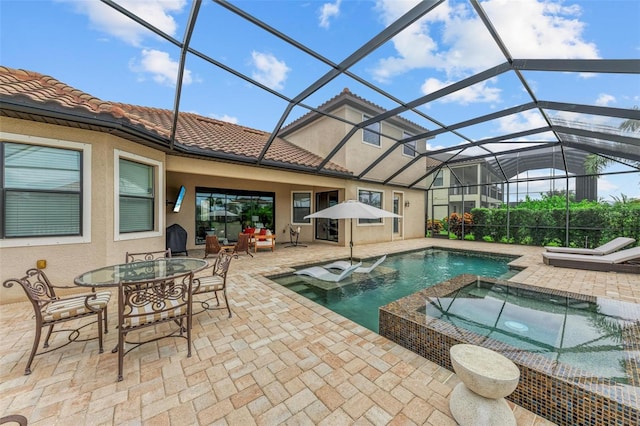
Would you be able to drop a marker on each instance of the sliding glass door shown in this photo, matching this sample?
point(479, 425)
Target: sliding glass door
point(226, 212)
point(326, 229)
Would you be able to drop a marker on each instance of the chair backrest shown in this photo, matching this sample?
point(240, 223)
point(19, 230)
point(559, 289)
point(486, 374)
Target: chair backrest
point(293, 235)
point(242, 244)
point(37, 287)
point(146, 302)
point(149, 255)
point(212, 245)
point(222, 263)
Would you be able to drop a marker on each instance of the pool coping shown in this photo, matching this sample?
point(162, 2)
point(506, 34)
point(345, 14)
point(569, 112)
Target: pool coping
point(555, 397)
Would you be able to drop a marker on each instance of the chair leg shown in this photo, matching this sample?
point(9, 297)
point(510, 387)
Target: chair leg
point(46, 340)
point(36, 342)
point(105, 320)
point(120, 354)
point(189, 324)
point(227, 302)
point(101, 349)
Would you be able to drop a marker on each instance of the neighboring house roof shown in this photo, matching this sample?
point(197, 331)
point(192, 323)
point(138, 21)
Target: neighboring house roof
point(34, 96)
point(346, 97)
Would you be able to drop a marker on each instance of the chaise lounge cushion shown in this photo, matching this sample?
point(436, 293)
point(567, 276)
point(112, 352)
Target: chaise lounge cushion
point(613, 245)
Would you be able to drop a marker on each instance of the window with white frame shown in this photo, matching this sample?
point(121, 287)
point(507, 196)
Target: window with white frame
point(138, 196)
point(42, 191)
point(371, 133)
point(408, 148)
point(372, 198)
point(301, 207)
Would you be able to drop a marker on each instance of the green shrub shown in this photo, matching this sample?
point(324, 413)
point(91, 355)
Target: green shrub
point(469, 237)
point(488, 238)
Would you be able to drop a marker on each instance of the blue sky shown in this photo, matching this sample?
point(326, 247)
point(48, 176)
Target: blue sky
point(93, 48)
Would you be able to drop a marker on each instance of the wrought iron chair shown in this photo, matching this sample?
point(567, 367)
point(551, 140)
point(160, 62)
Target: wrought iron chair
point(148, 303)
point(212, 245)
point(51, 309)
point(294, 235)
point(242, 245)
point(148, 255)
point(215, 283)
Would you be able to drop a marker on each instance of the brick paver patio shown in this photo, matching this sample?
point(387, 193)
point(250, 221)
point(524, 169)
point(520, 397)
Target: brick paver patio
point(281, 359)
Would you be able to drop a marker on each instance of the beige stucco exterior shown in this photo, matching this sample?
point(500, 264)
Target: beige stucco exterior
point(100, 245)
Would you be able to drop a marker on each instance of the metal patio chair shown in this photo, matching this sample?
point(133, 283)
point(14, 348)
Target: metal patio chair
point(51, 309)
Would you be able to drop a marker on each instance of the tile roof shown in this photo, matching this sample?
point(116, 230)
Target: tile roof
point(193, 131)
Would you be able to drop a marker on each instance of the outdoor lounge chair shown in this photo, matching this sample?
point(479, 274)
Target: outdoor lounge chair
point(610, 247)
point(343, 264)
point(621, 261)
point(323, 274)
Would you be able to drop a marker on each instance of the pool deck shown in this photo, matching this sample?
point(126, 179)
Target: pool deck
point(281, 359)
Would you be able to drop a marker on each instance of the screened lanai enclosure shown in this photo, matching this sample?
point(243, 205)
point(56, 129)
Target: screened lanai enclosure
point(526, 113)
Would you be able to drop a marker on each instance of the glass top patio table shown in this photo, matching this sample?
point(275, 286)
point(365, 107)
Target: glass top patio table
point(110, 276)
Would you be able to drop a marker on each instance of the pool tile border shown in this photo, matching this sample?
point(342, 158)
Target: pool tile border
point(547, 388)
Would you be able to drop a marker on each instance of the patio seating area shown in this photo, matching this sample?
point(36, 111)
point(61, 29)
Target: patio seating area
point(280, 359)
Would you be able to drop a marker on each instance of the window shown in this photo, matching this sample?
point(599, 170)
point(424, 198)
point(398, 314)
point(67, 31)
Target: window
point(373, 198)
point(42, 191)
point(409, 148)
point(371, 133)
point(301, 203)
point(138, 196)
point(439, 180)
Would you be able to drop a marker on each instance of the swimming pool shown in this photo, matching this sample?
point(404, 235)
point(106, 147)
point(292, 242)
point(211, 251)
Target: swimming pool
point(359, 296)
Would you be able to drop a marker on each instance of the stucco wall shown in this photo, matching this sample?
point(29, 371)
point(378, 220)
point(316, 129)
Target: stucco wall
point(66, 261)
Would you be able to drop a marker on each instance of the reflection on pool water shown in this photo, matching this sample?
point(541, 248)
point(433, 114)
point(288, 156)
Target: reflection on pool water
point(584, 334)
point(359, 296)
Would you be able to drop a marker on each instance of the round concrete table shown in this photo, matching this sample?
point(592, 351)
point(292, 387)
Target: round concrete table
point(486, 378)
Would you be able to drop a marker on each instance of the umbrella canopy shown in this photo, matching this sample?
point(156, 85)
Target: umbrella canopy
point(351, 209)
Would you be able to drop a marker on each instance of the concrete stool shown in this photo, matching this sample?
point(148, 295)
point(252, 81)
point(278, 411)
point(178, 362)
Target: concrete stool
point(486, 378)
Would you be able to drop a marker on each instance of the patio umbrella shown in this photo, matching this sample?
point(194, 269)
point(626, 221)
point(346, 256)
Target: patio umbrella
point(351, 209)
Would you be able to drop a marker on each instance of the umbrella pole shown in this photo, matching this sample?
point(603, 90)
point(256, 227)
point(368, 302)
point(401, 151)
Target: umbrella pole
point(351, 243)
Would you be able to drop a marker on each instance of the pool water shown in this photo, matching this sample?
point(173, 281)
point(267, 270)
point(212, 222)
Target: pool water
point(584, 334)
point(359, 296)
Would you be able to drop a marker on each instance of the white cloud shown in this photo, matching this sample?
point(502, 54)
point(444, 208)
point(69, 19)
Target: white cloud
point(269, 70)
point(530, 28)
point(530, 119)
point(605, 99)
point(162, 68)
point(328, 11)
point(110, 21)
point(480, 92)
point(225, 117)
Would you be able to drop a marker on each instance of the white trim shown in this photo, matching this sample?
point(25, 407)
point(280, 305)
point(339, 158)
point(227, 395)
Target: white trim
point(85, 148)
point(310, 223)
point(159, 196)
